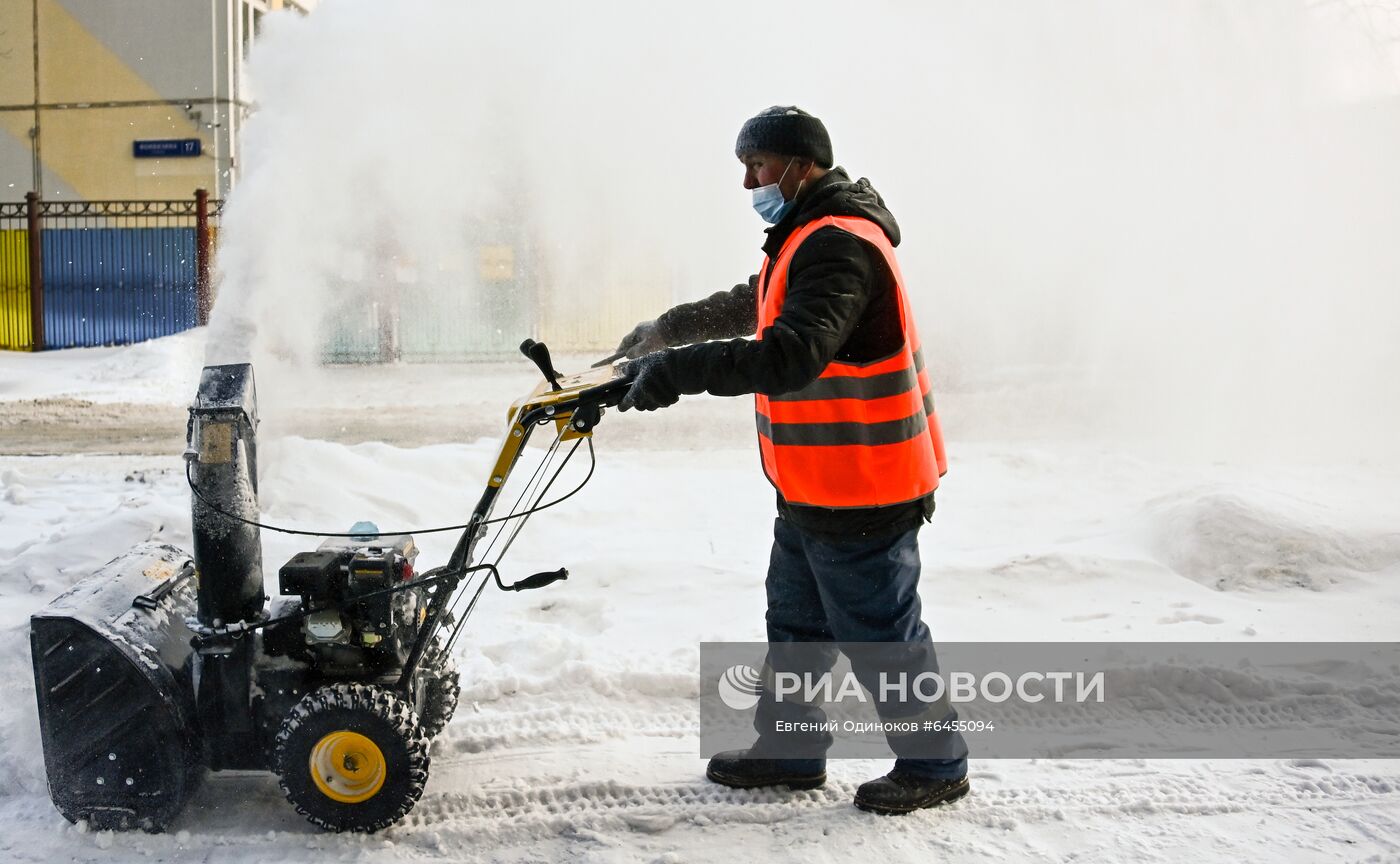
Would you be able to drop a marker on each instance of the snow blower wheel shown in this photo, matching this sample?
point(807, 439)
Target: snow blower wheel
point(352, 757)
point(347, 767)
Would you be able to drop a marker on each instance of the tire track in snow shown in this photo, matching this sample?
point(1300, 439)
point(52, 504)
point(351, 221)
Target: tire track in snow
point(524, 796)
point(555, 807)
point(506, 732)
point(552, 806)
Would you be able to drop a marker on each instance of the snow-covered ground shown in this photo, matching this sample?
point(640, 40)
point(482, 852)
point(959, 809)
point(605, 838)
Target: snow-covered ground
point(577, 739)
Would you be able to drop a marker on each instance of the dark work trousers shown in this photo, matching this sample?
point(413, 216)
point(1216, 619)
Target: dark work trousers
point(856, 590)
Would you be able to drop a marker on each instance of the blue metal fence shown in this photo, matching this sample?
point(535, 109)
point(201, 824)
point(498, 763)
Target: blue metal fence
point(85, 273)
point(112, 286)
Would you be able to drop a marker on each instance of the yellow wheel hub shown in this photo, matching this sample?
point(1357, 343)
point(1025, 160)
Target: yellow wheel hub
point(347, 767)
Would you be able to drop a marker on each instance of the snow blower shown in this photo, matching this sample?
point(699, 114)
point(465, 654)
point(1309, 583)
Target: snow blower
point(163, 664)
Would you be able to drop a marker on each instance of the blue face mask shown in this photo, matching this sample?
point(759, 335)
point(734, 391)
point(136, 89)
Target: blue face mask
point(768, 200)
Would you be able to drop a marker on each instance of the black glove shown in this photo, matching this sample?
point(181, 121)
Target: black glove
point(644, 339)
point(653, 385)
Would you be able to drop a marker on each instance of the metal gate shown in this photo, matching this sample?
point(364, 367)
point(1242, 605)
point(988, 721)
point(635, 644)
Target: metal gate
point(477, 312)
point(442, 315)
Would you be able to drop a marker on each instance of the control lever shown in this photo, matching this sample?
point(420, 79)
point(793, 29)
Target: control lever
point(538, 353)
point(539, 580)
point(151, 599)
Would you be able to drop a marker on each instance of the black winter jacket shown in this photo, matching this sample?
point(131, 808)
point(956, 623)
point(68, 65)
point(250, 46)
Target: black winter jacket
point(840, 305)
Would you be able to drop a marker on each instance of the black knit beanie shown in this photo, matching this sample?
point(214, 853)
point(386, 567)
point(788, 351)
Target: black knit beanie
point(788, 131)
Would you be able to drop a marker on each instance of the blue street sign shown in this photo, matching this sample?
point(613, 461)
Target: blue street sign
point(167, 147)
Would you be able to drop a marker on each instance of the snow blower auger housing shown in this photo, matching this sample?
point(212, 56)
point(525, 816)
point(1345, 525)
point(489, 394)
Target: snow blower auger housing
point(163, 664)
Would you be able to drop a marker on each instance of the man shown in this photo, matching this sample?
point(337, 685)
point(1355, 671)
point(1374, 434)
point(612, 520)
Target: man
point(847, 433)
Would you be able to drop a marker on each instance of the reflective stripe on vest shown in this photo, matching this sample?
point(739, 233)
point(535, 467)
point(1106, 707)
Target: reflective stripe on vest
point(860, 435)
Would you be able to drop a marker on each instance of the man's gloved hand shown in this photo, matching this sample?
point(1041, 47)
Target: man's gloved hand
point(653, 386)
point(644, 339)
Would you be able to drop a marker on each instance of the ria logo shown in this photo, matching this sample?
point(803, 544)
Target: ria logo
point(739, 687)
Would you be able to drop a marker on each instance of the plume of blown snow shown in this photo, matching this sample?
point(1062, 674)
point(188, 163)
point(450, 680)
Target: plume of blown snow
point(1181, 215)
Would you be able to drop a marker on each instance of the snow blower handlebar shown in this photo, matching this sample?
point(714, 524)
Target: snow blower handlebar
point(574, 404)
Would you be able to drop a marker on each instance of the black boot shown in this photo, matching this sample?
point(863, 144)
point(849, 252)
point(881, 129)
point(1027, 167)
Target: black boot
point(900, 792)
point(732, 768)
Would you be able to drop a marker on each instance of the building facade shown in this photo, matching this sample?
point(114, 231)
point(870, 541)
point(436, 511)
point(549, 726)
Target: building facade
point(102, 100)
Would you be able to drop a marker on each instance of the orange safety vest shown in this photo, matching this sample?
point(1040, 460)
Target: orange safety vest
point(862, 434)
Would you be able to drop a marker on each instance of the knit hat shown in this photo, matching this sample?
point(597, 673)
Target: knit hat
point(788, 131)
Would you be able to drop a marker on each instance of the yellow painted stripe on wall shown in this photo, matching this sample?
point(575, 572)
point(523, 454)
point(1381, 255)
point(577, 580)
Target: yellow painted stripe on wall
point(14, 290)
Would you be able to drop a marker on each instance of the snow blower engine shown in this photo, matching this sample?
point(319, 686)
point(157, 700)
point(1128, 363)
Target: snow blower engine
point(162, 664)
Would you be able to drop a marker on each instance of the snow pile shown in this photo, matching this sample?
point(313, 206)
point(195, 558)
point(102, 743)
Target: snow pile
point(1233, 541)
point(21, 757)
point(55, 530)
point(161, 370)
point(158, 371)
